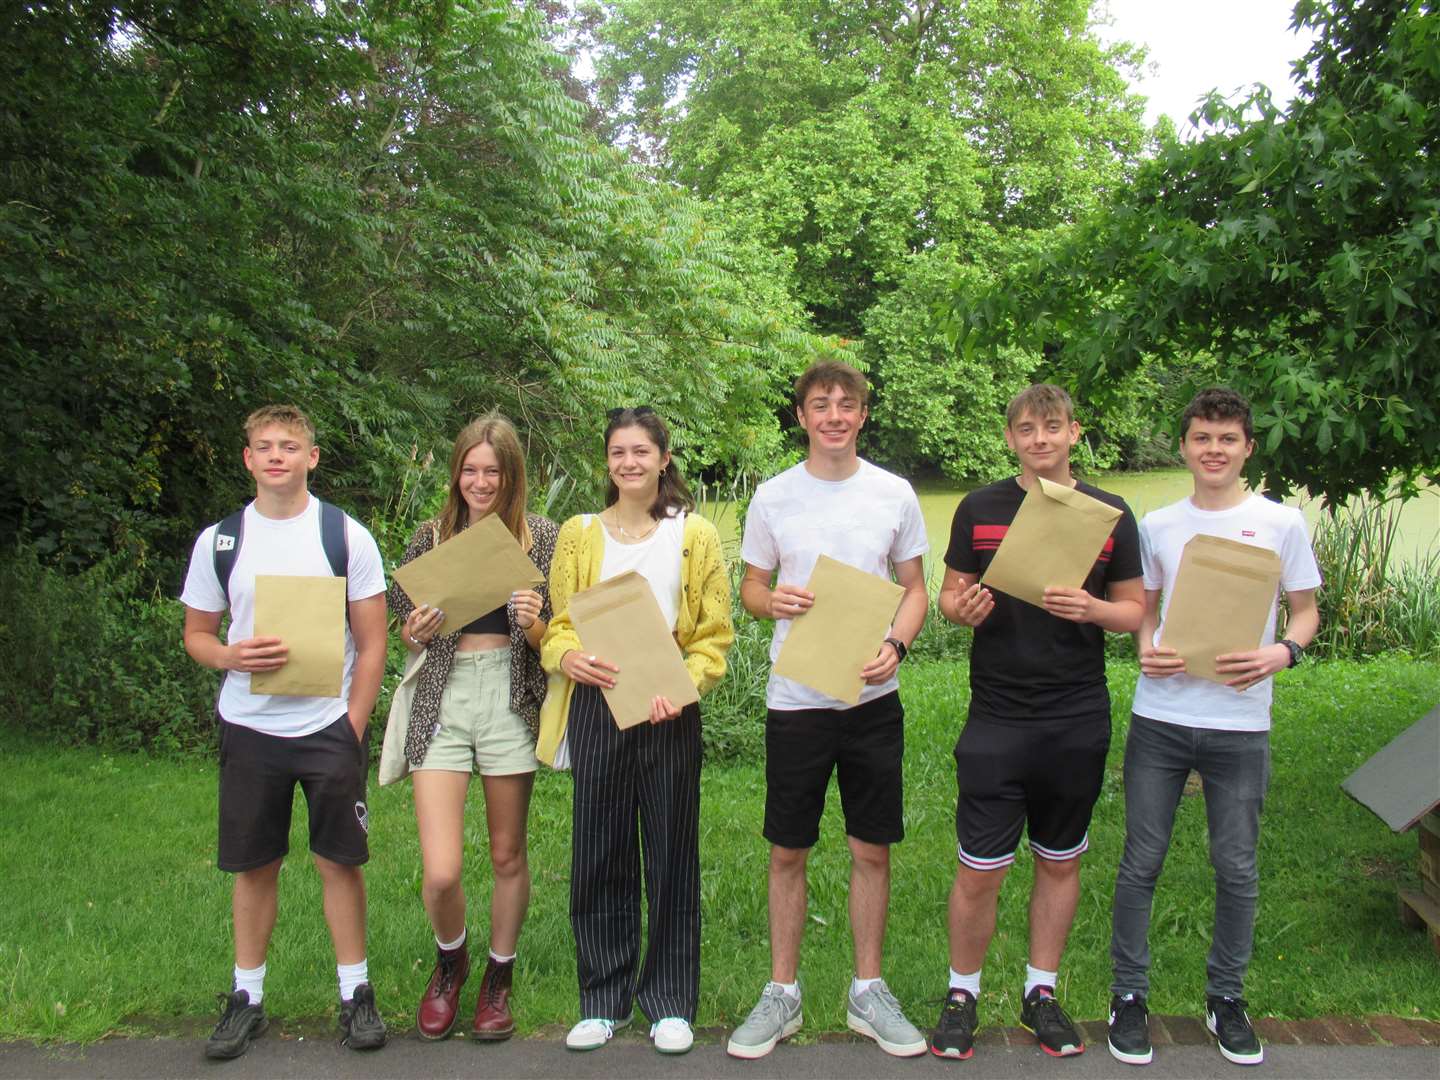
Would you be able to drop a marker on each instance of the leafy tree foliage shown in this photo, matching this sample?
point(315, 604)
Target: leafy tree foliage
point(880, 146)
point(1301, 250)
point(391, 213)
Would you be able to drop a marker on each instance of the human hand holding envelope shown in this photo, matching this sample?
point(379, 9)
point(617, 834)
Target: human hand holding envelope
point(1220, 602)
point(618, 620)
point(827, 647)
point(473, 572)
point(1056, 536)
point(308, 615)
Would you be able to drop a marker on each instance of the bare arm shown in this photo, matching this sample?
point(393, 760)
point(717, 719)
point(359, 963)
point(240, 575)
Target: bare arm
point(367, 627)
point(1248, 668)
point(962, 600)
point(1120, 612)
point(781, 602)
point(914, 606)
point(202, 642)
point(1155, 662)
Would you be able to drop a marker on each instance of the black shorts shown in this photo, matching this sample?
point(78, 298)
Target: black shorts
point(258, 773)
point(1040, 775)
point(804, 746)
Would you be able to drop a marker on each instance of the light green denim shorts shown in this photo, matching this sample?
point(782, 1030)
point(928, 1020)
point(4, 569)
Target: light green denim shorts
point(479, 731)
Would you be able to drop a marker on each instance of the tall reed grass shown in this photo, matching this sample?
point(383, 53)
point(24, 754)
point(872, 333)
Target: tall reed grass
point(1371, 601)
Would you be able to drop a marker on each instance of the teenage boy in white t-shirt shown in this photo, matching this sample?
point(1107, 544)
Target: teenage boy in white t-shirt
point(268, 743)
point(835, 504)
point(1182, 722)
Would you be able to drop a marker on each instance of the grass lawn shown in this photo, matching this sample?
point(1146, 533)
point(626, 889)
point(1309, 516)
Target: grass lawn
point(114, 917)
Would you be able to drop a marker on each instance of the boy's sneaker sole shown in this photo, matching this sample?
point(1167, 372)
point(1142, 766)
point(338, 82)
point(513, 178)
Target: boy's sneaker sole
point(1230, 1055)
point(221, 1052)
point(1129, 1058)
point(861, 1026)
point(759, 1050)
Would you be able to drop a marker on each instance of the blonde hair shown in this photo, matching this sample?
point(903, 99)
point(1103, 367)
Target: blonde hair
point(499, 434)
point(287, 416)
point(1042, 400)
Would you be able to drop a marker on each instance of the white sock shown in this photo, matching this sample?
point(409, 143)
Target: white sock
point(502, 959)
point(351, 976)
point(858, 985)
point(1035, 977)
point(969, 983)
point(252, 981)
point(451, 946)
point(793, 989)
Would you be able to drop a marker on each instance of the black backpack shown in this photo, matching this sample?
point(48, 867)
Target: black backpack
point(231, 532)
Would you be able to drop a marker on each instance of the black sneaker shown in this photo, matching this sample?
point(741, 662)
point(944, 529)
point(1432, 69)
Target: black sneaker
point(954, 1035)
point(1228, 1022)
point(240, 1024)
point(1042, 1016)
point(1130, 1030)
point(360, 1023)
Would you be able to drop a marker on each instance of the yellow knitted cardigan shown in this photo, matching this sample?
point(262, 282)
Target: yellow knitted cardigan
point(703, 626)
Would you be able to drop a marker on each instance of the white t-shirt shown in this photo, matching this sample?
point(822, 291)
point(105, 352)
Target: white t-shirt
point(656, 559)
point(1185, 699)
point(870, 520)
point(289, 546)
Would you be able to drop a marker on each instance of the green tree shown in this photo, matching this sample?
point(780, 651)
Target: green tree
point(1300, 249)
point(876, 145)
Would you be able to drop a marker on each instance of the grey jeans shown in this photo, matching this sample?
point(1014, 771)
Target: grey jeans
point(1235, 768)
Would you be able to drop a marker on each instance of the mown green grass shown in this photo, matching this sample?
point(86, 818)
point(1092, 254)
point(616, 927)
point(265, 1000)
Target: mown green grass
point(114, 917)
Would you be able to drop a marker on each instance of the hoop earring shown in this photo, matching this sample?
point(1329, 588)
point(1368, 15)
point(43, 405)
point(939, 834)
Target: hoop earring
point(662, 474)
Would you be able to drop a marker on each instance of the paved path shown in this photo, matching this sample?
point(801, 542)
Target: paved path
point(1327, 1049)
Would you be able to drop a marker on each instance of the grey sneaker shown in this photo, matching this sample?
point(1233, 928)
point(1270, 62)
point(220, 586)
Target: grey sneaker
point(876, 1015)
point(776, 1016)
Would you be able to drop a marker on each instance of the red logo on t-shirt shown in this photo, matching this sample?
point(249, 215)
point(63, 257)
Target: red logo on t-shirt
point(1248, 532)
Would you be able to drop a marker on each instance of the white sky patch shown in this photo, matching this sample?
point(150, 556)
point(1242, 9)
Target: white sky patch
point(1199, 45)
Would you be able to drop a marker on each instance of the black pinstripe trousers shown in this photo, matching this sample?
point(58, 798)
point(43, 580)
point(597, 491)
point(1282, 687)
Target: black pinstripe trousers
point(650, 775)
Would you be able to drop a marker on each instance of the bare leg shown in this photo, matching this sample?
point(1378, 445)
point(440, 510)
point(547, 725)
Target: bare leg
point(440, 817)
point(869, 904)
point(973, 900)
point(787, 910)
point(344, 908)
point(253, 904)
point(1053, 899)
point(507, 808)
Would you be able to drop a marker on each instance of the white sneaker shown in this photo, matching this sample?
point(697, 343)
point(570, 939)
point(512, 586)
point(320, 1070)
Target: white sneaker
point(672, 1035)
point(591, 1033)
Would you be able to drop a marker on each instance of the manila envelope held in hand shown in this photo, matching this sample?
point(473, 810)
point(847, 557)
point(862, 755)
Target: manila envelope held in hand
point(308, 615)
point(1220, 602)
point(618, 620)
point(828, 645)
point(472, 573)
point(1056, 536)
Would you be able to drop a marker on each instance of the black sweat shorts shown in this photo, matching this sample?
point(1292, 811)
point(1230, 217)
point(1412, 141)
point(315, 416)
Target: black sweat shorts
point(1040, 775)
point(865, 745)
point(258, 774)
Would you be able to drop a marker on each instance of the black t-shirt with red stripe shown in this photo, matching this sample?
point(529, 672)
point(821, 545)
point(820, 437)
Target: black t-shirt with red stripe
point(1026, 664)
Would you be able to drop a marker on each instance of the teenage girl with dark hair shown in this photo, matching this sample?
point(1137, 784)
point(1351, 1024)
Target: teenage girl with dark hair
point(648, 774)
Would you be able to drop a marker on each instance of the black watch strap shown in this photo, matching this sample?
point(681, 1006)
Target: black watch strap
point(900, 650)
point(1297, 652)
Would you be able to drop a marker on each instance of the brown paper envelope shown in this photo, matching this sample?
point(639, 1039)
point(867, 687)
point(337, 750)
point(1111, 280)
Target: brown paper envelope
point(618, 620)
point(308, 615)
point(1220, 601)
point(841, 633)
point(469, 574)
point(1056, 536)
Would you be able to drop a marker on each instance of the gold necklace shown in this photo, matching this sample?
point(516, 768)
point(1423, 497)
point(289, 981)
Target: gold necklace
point(615, 516)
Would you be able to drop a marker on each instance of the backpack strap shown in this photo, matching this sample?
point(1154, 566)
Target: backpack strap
point(333, 539)
point(228, 535)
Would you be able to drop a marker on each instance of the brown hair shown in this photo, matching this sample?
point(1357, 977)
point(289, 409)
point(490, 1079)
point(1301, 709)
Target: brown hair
point(1218, 403)
point(287, 416)
point(828, 374)
point(674, 493)
point(1042, 400)
point(493, 430)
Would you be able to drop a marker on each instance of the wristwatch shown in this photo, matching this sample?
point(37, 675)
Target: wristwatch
point(899, 646)
point(1297, 652)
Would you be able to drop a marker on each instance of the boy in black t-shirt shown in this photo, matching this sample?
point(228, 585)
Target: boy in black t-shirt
point(1032, 752)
